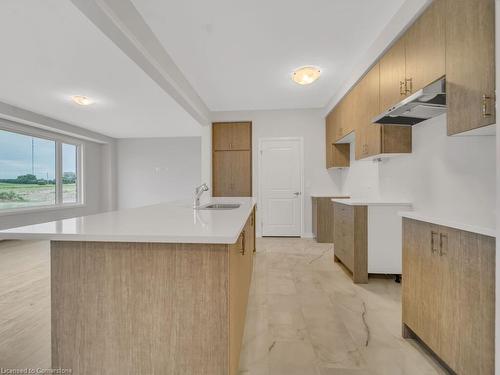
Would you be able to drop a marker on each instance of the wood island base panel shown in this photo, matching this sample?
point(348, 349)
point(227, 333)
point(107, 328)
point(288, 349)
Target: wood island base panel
point(149, 308)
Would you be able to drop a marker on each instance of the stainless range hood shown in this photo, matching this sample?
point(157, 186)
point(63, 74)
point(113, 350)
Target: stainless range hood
point(424, 104)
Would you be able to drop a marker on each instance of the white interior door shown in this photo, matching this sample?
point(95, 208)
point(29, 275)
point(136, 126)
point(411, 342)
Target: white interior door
point(281, 186)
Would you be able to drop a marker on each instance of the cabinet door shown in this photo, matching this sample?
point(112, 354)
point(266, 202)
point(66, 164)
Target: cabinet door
point(231, 136)
point(232, 174)
point(221, 136)
point(251, 234)
point(329, 135)
point(474, 307)
point(425, 48)
point(470, 64)
point(392, 76)
point(314, 204)
point(344, 234)
point(347, 118)
point(241, 172)
point(448, 289)
point(237, 302)
point(340, 118)
point(370, 94)
point(241, 136)
point(222, 173)
point(421, 280)
point(325, 220)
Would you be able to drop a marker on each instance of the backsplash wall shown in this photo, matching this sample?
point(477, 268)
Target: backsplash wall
point(450, 177)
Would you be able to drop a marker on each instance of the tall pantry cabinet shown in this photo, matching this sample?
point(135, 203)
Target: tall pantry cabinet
point(232, 159)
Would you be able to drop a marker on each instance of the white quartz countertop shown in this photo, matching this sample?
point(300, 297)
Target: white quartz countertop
point(173, 222)
point(415, 215)
point(371, 202)
point(337, 196)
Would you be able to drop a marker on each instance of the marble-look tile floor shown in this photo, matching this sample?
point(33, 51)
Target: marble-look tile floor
point(306, 317)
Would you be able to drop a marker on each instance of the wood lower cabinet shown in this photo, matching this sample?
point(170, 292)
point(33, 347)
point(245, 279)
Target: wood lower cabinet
point(148, 307)
point(240, 276)
point(350, 238)
point(323, 216)
point(449, 294)
point(470, 64)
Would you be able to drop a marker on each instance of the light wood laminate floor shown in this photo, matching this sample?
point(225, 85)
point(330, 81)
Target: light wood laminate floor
point(305, 315)
point(24, 304)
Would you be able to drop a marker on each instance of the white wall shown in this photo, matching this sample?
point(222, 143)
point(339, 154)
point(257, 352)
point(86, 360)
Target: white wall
point(206, 157)
point(308, 124)
point(96, 188)
point(153, 170)
point(450, 177)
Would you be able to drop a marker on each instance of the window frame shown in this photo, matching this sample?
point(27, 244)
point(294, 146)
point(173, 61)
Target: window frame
point(58, 139)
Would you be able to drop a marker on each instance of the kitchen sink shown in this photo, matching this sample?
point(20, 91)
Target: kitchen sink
point(220, 206)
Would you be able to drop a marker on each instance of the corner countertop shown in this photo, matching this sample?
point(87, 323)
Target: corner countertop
point(172, 222)
point(371, 202)
point(415, 215)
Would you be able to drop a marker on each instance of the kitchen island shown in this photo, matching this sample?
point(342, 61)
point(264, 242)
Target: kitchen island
point(160, 289)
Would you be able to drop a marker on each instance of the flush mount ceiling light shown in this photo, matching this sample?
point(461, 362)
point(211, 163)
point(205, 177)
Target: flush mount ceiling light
point(82, 100)
point(306, 75)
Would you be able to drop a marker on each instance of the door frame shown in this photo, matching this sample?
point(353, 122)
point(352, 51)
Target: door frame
point(301, 169)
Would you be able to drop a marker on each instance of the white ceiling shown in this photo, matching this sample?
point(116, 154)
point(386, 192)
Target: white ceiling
point(236, 54)
point(51, 51)
point(239, 54)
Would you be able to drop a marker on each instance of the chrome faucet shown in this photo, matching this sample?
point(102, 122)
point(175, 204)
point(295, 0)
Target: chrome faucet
point(198, 193)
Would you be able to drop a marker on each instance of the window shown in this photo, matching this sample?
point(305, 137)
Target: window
point(37, 171)
point(69, 166)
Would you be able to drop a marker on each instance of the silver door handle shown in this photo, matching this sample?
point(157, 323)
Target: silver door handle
point(297, 193)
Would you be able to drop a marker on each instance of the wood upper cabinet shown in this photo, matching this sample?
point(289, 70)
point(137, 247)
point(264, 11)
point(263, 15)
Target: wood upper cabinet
point(232, 159)
point(347, 115)
point(368, 135)
point(343, 116)
point(470, 64)
point(232, 136)
point(329, 137)
point(425, 48)
point(373, 139)
point(393, 76)
point(449, 294)
point(337, 155)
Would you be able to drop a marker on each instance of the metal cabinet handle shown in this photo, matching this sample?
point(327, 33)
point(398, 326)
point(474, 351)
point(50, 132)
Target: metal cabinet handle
point(410, 81)
point(486, 99)
point(242, 251)
point(297, 193)
point(433, 242)
point(402, 88)
point(442, 237)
